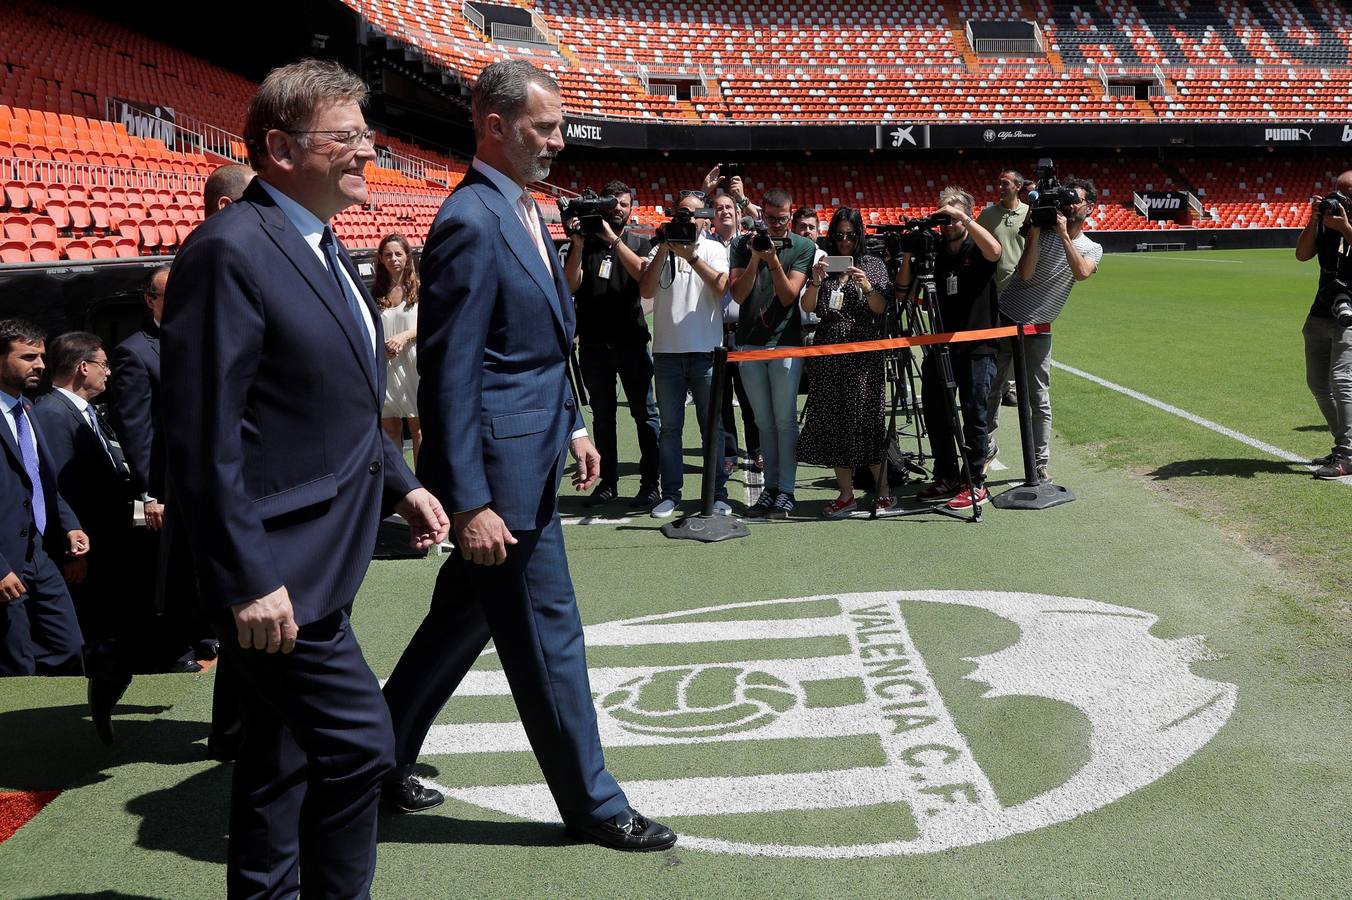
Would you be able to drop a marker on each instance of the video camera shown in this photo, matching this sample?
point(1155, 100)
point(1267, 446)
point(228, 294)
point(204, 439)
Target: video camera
point(683, 227)
point(1336, 202)
point(918, 237)
point(760, 236)
point(588, 209)
point(1048, 198)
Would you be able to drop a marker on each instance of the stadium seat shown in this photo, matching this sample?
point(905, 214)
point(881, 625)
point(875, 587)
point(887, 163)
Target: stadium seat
point(14, 252)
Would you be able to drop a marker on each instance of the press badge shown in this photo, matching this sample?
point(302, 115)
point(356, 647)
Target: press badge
point(836, 300)
point(951, 284)
point(604, 272)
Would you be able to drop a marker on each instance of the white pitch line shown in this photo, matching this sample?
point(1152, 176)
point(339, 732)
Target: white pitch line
point(1256, 444)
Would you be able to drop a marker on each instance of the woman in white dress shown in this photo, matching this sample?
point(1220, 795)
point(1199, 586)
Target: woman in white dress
point(396, 290)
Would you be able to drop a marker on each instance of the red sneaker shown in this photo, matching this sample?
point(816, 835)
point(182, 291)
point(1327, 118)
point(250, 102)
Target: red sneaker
point(967, 499)
point(938, 490)
point(884, 504)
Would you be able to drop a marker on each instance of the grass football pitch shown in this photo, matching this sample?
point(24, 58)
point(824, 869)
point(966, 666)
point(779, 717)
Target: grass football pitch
point(1143, 693)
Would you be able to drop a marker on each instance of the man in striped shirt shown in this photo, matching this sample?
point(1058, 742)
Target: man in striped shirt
point(1053, 261)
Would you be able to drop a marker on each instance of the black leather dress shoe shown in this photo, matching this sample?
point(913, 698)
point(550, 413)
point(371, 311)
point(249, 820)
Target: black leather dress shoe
point(403, 792)
point(628, 830)
point(223, 747)
point(105, 689)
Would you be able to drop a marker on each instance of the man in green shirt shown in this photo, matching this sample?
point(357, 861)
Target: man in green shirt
point(766, 284)
point(1004, 220)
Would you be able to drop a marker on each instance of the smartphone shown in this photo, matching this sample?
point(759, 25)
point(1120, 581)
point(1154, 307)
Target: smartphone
point(837, 264)
point(729, 170)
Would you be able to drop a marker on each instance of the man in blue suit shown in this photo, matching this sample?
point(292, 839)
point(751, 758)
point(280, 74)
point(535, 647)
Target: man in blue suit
point(499, 418)
point(39, 631)
point(272, 394)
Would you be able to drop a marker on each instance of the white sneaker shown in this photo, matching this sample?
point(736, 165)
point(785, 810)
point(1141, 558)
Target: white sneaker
point(721, 508)
point(663, 509)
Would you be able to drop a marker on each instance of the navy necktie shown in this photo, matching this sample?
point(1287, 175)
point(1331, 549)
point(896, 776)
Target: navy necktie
point(354, 303)
point(29, 456)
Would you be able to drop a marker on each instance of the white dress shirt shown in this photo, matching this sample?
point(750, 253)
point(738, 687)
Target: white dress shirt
point(312, 230)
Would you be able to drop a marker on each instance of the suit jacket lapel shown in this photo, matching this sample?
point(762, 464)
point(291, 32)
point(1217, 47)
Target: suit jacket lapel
point(12, 446)
point(279, 228)
point(84, 428)
point(521, 242)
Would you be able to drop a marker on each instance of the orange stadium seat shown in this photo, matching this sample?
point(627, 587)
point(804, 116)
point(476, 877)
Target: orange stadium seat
point(14, 252)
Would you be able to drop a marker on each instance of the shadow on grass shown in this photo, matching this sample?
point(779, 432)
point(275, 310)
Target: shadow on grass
point(97, 895)
point(55, 748)
point(1232, 468)
point(1311, 428)
point(188, 819)
point(443, 829)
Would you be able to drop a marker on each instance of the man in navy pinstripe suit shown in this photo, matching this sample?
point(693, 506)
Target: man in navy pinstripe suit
point(272, 390)
point(499, 420)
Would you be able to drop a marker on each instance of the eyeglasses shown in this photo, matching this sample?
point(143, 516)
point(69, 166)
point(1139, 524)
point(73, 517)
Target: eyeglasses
point(846, 236)
point(101, 362)
point(349, 139)
point(699, 194)
point(777, 220)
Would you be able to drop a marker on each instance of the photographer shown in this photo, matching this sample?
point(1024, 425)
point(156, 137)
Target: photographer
point(843, 425)
point(1053, 260)
point(715, 181)
point(605, 262)
point(769, 267)
point(1328, 327)
point(725, 230)
point(687, 281)
point(964, 279)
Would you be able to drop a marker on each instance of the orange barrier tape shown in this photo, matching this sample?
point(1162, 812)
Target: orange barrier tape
point(948, 337)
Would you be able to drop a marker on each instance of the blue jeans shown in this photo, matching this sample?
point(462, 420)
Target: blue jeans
point(673, 375)
point(772, 387)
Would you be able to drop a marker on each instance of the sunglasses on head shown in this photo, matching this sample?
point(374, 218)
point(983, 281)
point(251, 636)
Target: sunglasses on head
point(699, 194)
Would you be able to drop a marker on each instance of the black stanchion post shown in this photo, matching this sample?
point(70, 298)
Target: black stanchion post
point(708, 527)
point(1033, 493)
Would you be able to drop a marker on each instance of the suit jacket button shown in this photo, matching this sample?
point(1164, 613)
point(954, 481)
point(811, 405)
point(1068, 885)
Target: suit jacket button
point(27, 504)
point(375, 467)
point(23, 532)
point(568, 404)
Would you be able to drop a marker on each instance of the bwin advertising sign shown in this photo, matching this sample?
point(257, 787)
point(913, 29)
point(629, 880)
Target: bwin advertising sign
point(756, 672)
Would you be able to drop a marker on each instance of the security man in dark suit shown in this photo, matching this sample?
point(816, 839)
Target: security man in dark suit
point(92, 477)
point(135, 411)
point(499, 419)
point(39, 631)
point(280, 472)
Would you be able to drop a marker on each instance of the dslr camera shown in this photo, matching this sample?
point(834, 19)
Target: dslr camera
point(1048, 198)
point(760, 236)
point(589, 210)
point(683, 227)
point(1341, 302)
point(1336, 202)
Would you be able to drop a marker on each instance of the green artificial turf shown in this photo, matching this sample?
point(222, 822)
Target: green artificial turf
point(1170, 520)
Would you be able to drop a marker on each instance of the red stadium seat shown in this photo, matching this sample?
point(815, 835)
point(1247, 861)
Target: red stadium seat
point(14, 252)
point(150, 236)
point(60, 214)
point(16, 195)
point(79, 249)
point(44, 229)
point(16, 229)
point(168, 236)
point(126, 248)
point(103, 249)
point(79, 214)
point(43, 251)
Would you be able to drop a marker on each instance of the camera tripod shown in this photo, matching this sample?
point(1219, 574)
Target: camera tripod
point(911, 318)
